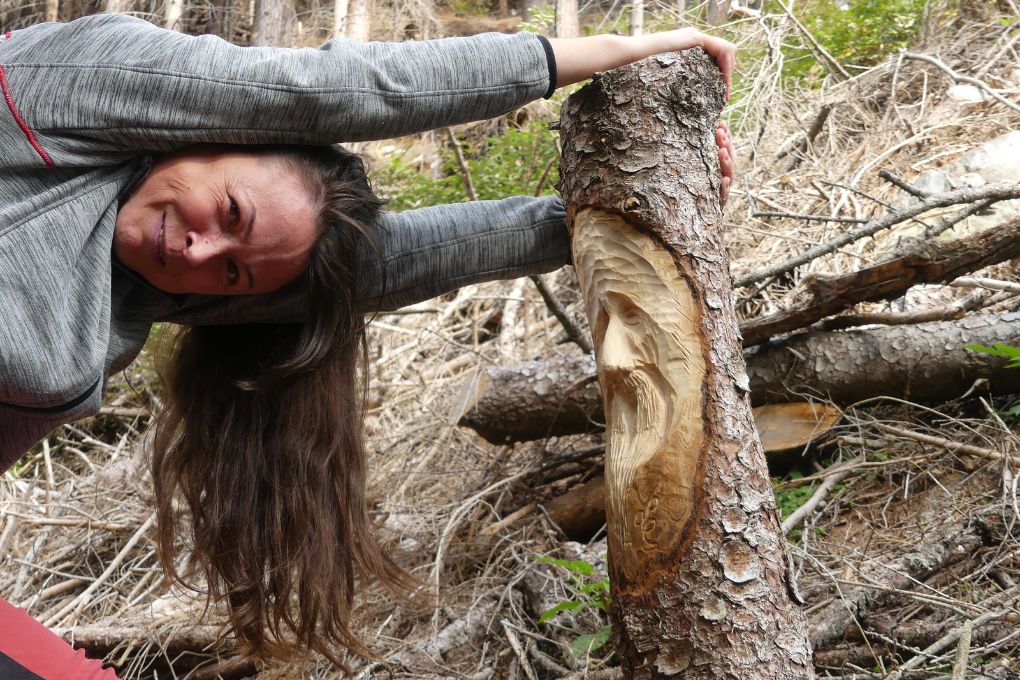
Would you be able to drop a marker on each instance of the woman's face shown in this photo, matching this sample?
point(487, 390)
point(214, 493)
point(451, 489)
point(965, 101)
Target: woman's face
point(217, 222)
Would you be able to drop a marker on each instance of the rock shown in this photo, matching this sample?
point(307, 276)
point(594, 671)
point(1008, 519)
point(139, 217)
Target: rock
point(967, 94)
point(996, 161)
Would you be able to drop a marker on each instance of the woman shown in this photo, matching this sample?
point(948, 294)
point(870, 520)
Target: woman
point(112, 218)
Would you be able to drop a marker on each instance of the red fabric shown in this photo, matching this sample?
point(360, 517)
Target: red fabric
point(36, 649)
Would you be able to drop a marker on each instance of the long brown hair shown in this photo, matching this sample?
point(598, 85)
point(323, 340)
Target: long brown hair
point(261, 438)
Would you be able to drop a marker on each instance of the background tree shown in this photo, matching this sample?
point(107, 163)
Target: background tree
point(271, 23)
point(567, 24)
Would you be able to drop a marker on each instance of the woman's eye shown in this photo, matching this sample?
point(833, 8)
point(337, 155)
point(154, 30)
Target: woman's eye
point(234, 210)
point(233, 273)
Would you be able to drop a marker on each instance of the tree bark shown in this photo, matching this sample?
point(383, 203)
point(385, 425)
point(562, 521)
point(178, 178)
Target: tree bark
point(118, 6)
point(52, 10)
point(567, 24)
point(637, 17)
point(698, 568)
point(341, 10)
point(359, 20)
point(924, 363)
point(271, 23)
point(933, 261)
point(718, 11)
point(174, 10)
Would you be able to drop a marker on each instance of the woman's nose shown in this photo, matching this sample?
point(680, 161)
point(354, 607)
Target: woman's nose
point(200, 248)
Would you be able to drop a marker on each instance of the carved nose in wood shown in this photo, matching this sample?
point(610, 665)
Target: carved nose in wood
point(617, 350)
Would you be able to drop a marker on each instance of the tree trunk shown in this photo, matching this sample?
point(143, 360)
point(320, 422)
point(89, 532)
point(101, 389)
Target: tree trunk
point(637, 17)
point(925, 363)
point(718, 11)
point(341, 9)
point(173, 13)
point(680, 7)
point(118, 6)
point(359, 20)
point(567, 24)
point(271, 23)
point(696, 554)
point(52, 10)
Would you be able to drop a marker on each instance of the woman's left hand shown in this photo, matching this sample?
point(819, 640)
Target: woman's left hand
point(726, 158)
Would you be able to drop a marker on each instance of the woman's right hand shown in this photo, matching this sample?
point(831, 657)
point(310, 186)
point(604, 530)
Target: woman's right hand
point(578, 59)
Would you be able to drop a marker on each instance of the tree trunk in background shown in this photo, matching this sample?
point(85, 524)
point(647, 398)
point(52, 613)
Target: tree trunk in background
point(271, 23)
point(174, 11)
point(696, 554)
point(637, 17)
point(567, 24)
point(359, 20)
point(341, 12)
point(118, 6)
point(680, 7)
point(52, 10)
point(718, 11)
point(504, 9)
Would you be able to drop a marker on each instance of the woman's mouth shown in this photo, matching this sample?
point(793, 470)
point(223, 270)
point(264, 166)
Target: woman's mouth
point(159, 240)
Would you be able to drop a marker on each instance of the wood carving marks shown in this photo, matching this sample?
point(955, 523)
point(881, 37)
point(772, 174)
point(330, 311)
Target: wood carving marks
point(652, 368)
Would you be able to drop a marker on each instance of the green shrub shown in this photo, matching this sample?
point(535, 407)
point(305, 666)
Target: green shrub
point(510, 165)
point(861, 35)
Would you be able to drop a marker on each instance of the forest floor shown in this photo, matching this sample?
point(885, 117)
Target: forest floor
point(467, 518)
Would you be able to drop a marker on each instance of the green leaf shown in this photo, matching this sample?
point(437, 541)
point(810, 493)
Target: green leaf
point(573, 566)
point(565, 606)
point(589, 643)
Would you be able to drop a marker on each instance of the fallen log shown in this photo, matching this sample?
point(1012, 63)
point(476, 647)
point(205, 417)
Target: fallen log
point(880, 579)
point(925, 363)
point(932, 261)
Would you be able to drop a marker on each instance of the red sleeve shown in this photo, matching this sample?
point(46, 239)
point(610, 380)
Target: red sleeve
point(28, 651)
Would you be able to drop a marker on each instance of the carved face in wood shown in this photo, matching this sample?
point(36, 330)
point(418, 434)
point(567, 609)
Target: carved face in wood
point(651, 368)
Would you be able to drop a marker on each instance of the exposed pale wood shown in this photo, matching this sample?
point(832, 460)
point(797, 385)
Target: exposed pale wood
point(651, 368)
point(698, 570)
point(581, 512)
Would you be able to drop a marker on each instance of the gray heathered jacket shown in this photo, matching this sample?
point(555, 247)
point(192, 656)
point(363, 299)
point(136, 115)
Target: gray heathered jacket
point(88, 102)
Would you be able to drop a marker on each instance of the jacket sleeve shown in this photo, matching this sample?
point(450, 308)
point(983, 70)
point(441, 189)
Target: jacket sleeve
point(419, 254)
point(123, 81)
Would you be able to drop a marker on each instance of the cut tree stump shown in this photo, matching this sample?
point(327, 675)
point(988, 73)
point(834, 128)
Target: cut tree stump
point(925, 363)
point(696, 556)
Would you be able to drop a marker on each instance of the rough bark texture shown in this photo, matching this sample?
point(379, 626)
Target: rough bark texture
point(697, 559)
point(271, 23)
point(925, 363)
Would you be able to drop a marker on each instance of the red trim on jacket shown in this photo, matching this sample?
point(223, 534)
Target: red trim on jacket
point(17, 116)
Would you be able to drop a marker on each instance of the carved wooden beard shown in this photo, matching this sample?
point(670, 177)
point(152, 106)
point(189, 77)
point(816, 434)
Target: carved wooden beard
point(651, 368)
